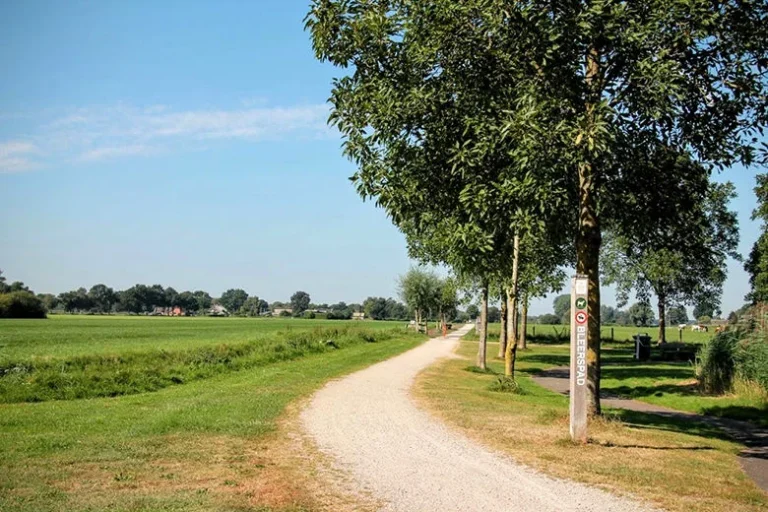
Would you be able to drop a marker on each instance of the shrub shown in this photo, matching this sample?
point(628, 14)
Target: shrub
point(548, 319)
point(309, 314)
point(21, 304)
point(751, 360)
point(716, 364)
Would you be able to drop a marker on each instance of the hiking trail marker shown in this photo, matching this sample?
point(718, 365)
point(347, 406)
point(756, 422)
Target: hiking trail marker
point(579, 325)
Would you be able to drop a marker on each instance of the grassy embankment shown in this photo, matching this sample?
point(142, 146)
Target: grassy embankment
point(679, 466)
point(87, 357)
point(209, 444)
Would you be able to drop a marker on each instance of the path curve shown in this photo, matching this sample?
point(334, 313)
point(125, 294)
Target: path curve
point(368, 424)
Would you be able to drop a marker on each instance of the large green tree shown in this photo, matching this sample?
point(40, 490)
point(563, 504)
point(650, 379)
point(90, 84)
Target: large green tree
point(300, 302)
point(233, 299)
point(585, 86)
point(676, 238)
point(103, 298)
point(757, 262)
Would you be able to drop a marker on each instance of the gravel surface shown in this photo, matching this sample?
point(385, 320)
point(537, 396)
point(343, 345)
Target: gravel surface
point(372, 429)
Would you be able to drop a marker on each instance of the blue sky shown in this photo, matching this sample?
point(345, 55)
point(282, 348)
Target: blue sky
point(184, 143)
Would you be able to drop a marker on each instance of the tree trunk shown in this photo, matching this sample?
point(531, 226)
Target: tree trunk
point(483, 334)
point(662, 319)
point(589, 238)
point(510, 354)
point(524, 323)
point(503, 333)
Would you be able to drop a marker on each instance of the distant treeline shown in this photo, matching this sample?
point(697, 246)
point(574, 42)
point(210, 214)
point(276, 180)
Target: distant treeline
point(18, 301)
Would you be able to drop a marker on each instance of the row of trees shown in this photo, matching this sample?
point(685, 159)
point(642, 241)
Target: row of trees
point(429, 296)
point(509, 140)
point(143, 299)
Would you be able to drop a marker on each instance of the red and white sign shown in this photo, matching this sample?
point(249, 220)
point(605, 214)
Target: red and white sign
point(581, 317)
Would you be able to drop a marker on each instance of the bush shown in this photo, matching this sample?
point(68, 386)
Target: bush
point(21, 304)
point(716, 363)
point(752, 361)
point(309, 314)
point(548, 319)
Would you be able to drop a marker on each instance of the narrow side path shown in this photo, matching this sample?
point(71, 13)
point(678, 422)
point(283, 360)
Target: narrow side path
point(404, 457)
point(754, 458)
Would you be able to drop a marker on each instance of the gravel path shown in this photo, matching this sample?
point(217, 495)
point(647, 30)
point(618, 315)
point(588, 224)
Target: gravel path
point(374, 432)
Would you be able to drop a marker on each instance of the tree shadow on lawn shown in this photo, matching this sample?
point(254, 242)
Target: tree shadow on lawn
point(757, 415)
point(669, 422)
point(646, 371)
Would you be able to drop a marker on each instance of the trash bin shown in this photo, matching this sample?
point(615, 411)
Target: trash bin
point(642, 347)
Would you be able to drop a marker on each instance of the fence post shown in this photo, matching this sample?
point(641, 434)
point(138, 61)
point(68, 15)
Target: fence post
point(534, 331)
point(612, 334)
point(681, 335)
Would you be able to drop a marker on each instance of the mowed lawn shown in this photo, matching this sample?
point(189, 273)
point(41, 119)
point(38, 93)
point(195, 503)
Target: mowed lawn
point(676, 465)
point(614, 333)
point(667, 383)
point(74, 335)
point(214, 443)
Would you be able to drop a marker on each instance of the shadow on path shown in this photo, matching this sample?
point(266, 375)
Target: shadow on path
point(754, 458)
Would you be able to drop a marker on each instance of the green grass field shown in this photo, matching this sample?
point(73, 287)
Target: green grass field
point(206, 444)
point(75, 335)
point(88, 357)
point(666, 383)
point(554, 333)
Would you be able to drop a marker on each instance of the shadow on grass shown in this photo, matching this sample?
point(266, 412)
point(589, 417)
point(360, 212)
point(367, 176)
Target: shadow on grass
point(657, 390)
point(545, 359)
point(477, 369)
point(646, 371)
point(608, 444)
point(669, 422)
point(758, 415)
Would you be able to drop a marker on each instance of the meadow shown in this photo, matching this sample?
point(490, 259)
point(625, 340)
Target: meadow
point(91, 356)
point(211, 443)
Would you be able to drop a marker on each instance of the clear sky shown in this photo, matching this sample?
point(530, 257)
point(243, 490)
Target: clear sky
point(184, 143)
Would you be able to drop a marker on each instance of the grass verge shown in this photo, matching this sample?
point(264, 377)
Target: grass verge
point(677, 466)
point(207, 445)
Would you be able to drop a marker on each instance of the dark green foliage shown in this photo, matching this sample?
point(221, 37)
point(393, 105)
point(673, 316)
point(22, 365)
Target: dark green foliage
point(233, 299)
point(715, 363)
point(299, 302)
point(21, 304)
point(641, 314)
point(504, 384)
point(548, 319)
point(752, 361)
point(757, 263)
point(379, 308)
point(677, 315)
point(37, 379)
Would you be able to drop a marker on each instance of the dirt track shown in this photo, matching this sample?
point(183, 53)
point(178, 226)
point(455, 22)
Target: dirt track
point(404, 457)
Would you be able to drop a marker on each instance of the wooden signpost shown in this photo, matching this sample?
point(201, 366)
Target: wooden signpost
point(579, 324)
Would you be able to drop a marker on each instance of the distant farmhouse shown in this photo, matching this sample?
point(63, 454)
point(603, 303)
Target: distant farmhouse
point(282, 312)
point(218, 310)
point(174, 311)
point(358, 315)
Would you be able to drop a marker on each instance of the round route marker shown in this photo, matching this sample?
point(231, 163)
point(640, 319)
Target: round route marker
point(581, 317)
point(581, 303)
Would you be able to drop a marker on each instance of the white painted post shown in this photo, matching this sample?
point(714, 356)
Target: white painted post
point(579, 325)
